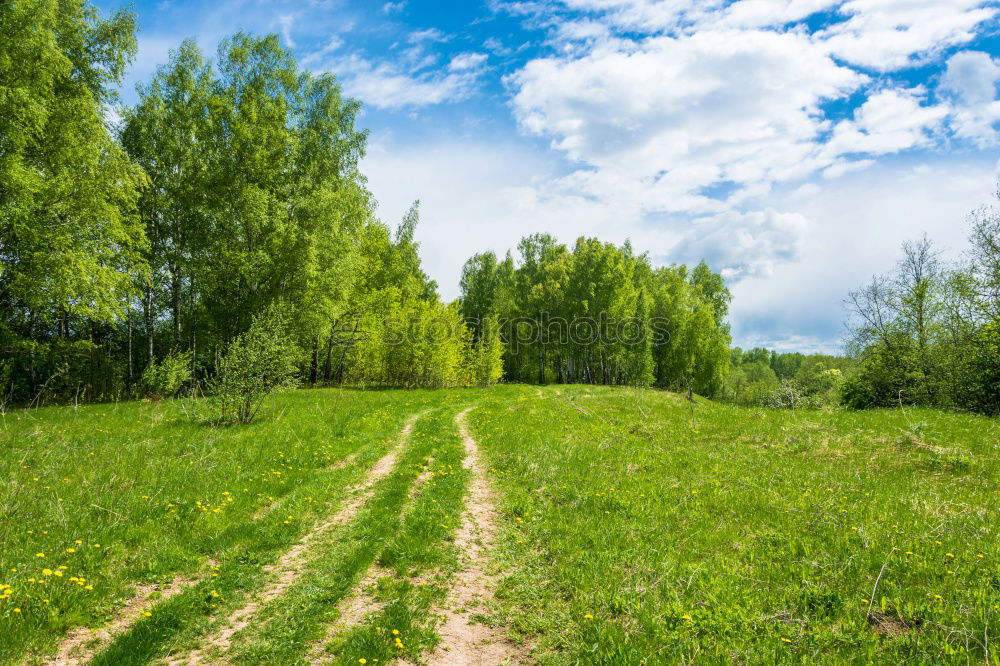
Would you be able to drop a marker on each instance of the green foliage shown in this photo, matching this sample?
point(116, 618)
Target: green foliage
point(482, 364)
point(413, 342)
point(600, 314)
point(926, 334)
point(69, 238)
point(164, 378)
point(255, 364)
point(70, 242)
point(759, 378)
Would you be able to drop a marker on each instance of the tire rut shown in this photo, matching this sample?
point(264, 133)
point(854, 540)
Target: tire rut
point(464, 643)
point(83, 643)
point(292, 562)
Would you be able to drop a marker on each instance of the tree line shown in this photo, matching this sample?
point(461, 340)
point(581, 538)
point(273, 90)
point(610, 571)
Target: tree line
point(135, 252)
point(600, 314)
point(766, 378)
point(928, 331)
point(220, 230)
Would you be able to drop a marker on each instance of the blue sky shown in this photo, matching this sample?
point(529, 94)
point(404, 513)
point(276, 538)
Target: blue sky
point(794, 144)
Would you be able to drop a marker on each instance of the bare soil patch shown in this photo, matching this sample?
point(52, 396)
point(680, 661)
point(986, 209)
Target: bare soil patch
point(464, 642)
point(82, 643)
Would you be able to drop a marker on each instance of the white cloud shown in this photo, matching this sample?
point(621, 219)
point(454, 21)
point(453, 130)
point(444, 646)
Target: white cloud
point(428, 35)
point(888, 34)
point(857, 224)
point(467, 61)
point(285, 22)
point(743, 245)
point(385, 85)
point(765, 13)
point(887, 122)
point(393, 7)
point(842, 166)
point(971, 79)
point(702, 109)
point(737, 106)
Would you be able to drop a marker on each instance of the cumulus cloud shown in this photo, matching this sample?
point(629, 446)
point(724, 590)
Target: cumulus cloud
point(889, 34)
point(971, 79)
point(889, 121)
point(738, 106)
point(742, 245)
point(705, 106)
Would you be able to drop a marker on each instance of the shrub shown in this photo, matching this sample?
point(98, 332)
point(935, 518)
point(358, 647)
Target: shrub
point(165, 378)
point(255, 364)
point(788, 395)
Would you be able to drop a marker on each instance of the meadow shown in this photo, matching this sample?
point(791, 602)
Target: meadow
point(612, 526)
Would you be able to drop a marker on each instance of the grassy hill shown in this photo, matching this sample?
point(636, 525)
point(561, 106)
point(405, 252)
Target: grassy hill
point(560, 525)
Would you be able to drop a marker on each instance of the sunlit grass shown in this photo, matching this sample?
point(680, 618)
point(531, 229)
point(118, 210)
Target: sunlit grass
point(633, 527)
point(638, 532)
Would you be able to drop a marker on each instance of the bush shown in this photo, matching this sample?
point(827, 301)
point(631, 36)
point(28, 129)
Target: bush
point(257, 363)
point(165, 379)
point(788, 395)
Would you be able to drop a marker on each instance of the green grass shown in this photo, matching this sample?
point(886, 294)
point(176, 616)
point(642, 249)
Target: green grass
point(751, 536)
point(631, 529)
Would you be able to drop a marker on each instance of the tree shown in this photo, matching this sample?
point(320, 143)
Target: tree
point(70, 241)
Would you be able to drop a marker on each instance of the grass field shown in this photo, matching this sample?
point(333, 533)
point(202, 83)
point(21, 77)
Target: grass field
point(570, 525)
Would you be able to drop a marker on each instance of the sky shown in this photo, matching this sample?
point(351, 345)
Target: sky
point(792, 144)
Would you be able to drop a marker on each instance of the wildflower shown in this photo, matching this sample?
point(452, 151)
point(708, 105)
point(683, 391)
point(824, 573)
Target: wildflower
point(46, 572)
point(147, 614)
point(686, 617)
point(17, 610)
point(58, 573)
point(588, 616)
point(948, 555)
point(39, 554)
point(395, 632)
point(71, 550)
point(786, 640)
point(362, 661)
point(937, 596)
